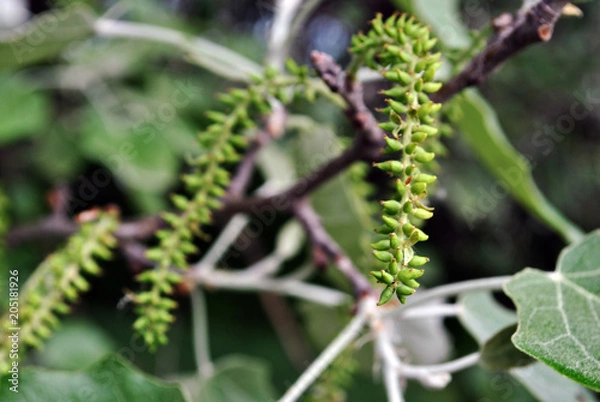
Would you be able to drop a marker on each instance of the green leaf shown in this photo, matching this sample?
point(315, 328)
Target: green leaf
point(239, 379)
point(109, 380)
point(499, 353)
point(482, 316)
point(24, 111)
point(559, 313)
point(481, 130)
point(444, 18)
point(45, 36)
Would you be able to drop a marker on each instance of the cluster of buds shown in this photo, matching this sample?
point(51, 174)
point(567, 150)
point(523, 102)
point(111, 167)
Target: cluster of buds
point(399, 49)
point(60, 279)
point(222, 144)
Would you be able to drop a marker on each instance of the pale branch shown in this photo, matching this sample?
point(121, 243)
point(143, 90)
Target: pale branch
point(321, 241)
point(513, 34)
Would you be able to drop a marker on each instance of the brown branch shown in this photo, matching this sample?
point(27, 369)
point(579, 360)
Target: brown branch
point(324, 244)
point(513, 34)
point(367, 144)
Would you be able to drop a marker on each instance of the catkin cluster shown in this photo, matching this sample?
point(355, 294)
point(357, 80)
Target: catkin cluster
point(400, 49)
point(222, 142)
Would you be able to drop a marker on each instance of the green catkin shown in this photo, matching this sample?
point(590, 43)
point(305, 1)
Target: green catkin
point(223, 142)
point(58, 282)
point(399, 48)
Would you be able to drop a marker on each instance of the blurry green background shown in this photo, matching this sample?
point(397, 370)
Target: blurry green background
point(112, 108)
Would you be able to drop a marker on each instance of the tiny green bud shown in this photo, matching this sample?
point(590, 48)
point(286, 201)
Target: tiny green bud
point(405, 290)
point(401, 297)
point(392, 144)
point(395, 167)
point(412, 283)
point(383, 256)
point(423, 156)
point(419, 136)
point(407, 229)
point(407, 207)
point(388, 126)
point(400, 187)
point(418, 260)
point(422, 213)
point(425, 178)
point(432, 87)
point(410, 148)
point(397, 106)
point(387, 278)
point(409, 169)
point(389, 221)
point(376, 274)
point(386, 295)
point(429, 130)
point(422, 235)
point(410, 273)
point(394, 240)
point(394, 267)
point(412, 240)
point(398, 254)
point(384, 229)
point(391, 207)
point(381, 245)
point(418, 188)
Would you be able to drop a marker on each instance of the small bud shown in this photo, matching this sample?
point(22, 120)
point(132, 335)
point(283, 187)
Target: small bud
point(387, 278)
point(425, 178)
point(386, 295)
point(391, 207)
point(401, 297)
point(389, 221)
point(392, 144)
point(410, 148)
point(407, 207)
point(412, 283)
point(423, 156)
point(418, 261)
point(422, 235)
point(410, 273)
point(400, 187)
point(376, 274)
point(418, 188)
point(405, 290)
point(388, 126)
point(394, 267)
point(407, 229)
point(394, 240)
point(432, 87)
point(395, 167)
point(422, 213)
point(384, 229)
point(381, 245)
point(419, 136)
point(383, 256)
point(397, 106)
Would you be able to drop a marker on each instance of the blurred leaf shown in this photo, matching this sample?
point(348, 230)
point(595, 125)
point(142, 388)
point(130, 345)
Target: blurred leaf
point(444, 18)
point(499, 353)
point(76, 345)
point(482, 316)
point(344, 213)
point(110, 380)
point(481, 129)
point(24, 111)
point(57, 140)
point(559, 313)
point(45, 36)
point(239, 379)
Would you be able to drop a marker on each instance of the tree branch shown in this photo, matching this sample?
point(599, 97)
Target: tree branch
point(326, 245)
point(533, 25)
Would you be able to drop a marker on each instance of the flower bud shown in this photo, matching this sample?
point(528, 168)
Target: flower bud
point(400, 187)
point(425, 178)
point(418, 261)
point(418, 188)
point(395, 167)
point(381, 245)
point(405, 290)
point(432, 87)
point(392, 144)
point(391, 207)
point(386, 295)
point(423, 156)
point(389, 221)
point(384, 229)
point(383, 256)
point(397, 106)
point(394, 267)
point(394, 240)
point(387, 278)
point(422, 213)
point(407, 207)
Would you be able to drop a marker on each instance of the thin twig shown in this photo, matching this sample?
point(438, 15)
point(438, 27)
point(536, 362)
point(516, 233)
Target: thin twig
point(528, 27)
point(333, 350)
point(322, 241)
point(201, 340)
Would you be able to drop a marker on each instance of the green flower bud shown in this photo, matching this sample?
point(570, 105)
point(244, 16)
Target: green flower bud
point(422, 214)
point(391, 207)
point(429, 130)
point(418, 188)
point(394, 240)
point(387, 278)
point(386, 295)
point(395, 167)
point(423, 156)
point(392, 144)
point(425, 178)
point(412, 283)
point(410, 273)
point(397, 106)
point(400, 187)
point(407, 207)
point(405, 290)
point(388, 126)
point(410, 148)
point(384, 229)
point(389, 221)
point(412, 240)
point(398, 254)
point(419, 136)
point(401, 297)
point(432, 87)
point(376, 274)
point(394, 92)
point(418, 261)
point(381, 245)
point(394, 267)
point(407, 229)
point(383, 256)
point(409, 169)
point(422, 235)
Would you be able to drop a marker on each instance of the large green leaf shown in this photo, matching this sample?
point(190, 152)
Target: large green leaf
point(110, 380)
point(45, 36)
point(483, 317)
point(23, 112)
point(559, 313)
point(481, 130)
point(239, 379)
point(499, 353)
